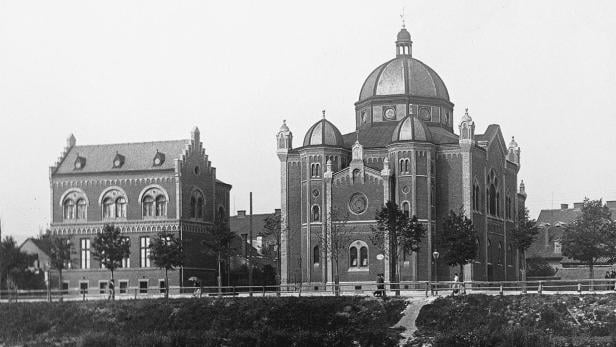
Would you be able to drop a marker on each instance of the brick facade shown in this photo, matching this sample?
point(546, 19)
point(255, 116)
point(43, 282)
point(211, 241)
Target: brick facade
point(112, 185)
point(404, 149)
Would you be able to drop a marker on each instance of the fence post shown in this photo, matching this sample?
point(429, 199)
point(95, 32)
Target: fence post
point(540, 289)
point(500, 290)
point(579, 288)
point(427, 285)
point(135, 293)
point(84, 295)
point(263, 291)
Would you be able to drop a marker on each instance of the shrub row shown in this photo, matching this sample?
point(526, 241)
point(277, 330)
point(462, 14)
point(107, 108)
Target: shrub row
point(305, 321)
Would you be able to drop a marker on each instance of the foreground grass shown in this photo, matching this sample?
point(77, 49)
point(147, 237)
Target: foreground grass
point(529, 320)
point(306, 321)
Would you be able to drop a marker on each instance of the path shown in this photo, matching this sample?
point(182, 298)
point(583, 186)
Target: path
point(410, 314)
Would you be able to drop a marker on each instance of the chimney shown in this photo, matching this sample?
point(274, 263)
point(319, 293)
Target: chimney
point(241, 213)
point(578, 205)
point(564, 206)
point(277, 211)
point(611, 204)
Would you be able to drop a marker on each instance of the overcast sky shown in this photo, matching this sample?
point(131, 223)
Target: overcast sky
point(123, 71)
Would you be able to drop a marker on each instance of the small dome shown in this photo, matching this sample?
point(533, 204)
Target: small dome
point(284, 127)
point(411, 128)
point(325, 133)
point(403, 35)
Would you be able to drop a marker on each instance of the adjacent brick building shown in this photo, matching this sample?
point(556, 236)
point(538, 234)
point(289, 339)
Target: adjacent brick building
point(142, 188)
point(404, 149)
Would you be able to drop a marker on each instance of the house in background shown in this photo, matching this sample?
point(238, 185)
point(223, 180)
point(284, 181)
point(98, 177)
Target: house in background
point(264, 247)
point(143, 189)
point(41, 248)
point(547, 246)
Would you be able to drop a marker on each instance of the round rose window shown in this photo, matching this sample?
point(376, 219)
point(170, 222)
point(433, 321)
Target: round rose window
point(358, 203)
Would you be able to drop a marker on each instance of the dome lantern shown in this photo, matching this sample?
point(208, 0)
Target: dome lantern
point(404, 44)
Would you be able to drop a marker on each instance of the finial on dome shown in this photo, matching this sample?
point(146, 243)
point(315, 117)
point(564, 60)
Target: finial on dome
point(323, 114)
point(466, 117)
point(513, 143)
point(403, 19)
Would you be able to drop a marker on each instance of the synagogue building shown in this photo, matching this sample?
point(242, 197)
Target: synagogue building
point(405, 148)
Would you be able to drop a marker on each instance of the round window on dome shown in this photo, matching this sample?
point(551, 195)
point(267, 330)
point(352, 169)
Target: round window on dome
point(197, 170)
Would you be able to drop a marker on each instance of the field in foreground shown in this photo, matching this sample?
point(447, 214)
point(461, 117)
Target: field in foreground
point(306, 321)
point(529, 320)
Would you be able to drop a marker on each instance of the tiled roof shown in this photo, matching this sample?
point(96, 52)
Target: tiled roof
point(241, 224)
point(442, 136)
point(43, 244)
point(561, 215)
point(138, 156)
point(378, 135)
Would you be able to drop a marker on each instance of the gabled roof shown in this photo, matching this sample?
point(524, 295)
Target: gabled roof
point(552, 217)
point(376, 136)
point(137, 156)
point(42, 244)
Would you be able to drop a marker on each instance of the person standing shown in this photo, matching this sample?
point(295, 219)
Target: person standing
point(456, 286)
point(111, 290)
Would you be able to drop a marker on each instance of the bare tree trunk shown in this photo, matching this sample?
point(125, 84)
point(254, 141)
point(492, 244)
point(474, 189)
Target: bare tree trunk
point(166, 284)
point(61, 284)
point(112, 290)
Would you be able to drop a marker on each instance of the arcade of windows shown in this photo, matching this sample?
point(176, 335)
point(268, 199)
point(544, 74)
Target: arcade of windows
point(493, 194)
point(315, 170)
point(197, 205)
point(358, 255)
point(405, 165)
point(114, 204)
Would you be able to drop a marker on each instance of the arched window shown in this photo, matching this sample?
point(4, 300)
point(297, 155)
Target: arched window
point(500, 252)
point(353, 257)
point(200, 207)
point(81, 209)
point(221, 214)
point(193, 207)
point(356, 175)
point(121, 207)
point(489, 251)
point(401, 165)
point(316, 213)
point(358, 255)
point(148, 206)
point(108, 208)
point(69, 209)
point(363, 256)
point(161, 206)
point(316, 255)
point(406, 209)
point(114, 203)
point(154, 202)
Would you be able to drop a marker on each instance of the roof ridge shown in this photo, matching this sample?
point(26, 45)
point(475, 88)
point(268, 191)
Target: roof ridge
point(129, 143)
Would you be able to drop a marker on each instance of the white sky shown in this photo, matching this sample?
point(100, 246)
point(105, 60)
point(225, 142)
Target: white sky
point(123, 71)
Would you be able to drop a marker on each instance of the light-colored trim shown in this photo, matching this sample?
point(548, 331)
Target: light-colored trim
point(70, 190)
point(151, 186)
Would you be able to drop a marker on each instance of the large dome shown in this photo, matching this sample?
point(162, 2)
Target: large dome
point(404, 75)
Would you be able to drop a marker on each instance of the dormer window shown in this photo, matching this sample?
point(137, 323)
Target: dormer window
point(159, 158)
point(118, 160)
point(80, 162)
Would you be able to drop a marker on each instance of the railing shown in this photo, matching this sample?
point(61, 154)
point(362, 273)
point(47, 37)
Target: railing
point(406, 289)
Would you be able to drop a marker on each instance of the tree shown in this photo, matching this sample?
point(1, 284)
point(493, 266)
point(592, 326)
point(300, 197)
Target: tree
point(524, 234)
point(219, 244)
point(591, 236)
point(336, 241)
point(539, 267)
point(167, 253)
point(59, 256)
point(271, 229)
point(401, 232)
point(459, 240)
point(110, 247)
point(15, 267)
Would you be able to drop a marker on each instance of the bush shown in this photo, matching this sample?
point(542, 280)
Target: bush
point(539, 267)
point(305, 321)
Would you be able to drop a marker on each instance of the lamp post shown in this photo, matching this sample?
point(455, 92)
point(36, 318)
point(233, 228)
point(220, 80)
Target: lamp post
point(435, 255)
